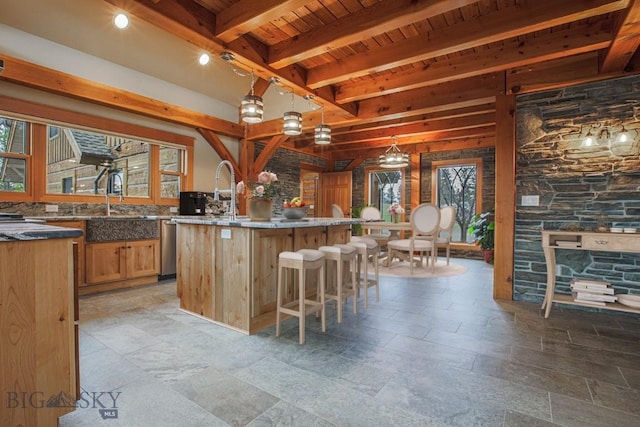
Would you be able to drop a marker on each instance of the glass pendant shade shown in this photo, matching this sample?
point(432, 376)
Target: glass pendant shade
point(623, 136)
point(292, 123)
point(322, 134)
point(252, 109)
point(589, 140)
point(393, 158)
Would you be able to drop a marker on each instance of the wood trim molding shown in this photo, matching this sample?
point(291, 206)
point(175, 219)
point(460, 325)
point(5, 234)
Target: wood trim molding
point(39, 77)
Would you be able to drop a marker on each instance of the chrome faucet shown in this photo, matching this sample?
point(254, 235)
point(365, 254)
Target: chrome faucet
point(111, 177)
point(231, 190)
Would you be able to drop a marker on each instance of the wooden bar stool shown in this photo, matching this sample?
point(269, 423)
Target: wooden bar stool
point(301, 260)
point(341, 255)
point(365, 249)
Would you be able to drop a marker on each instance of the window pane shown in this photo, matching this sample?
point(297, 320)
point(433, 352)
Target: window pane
point(13, 136)
point(169, 159)
point(385, 188)
point(79, 162)
point(12, 174)
point(169, 186)
point(457, 187)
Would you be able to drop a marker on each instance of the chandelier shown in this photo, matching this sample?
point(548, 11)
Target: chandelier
point(393, 158)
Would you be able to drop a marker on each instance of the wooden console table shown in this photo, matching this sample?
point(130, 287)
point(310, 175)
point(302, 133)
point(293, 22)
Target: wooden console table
point(582, 241)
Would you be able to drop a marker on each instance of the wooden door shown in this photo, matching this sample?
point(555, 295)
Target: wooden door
point(335, 187)
point(143, 258)
point(105, 262)
point(308, 190)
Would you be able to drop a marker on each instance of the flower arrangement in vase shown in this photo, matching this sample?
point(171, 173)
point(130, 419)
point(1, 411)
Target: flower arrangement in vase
point(260, 195)
point(395, 209)
point(262, 188)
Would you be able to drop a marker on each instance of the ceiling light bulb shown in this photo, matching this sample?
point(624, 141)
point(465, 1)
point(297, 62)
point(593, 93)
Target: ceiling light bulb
point(204, 59)
point(121, 20)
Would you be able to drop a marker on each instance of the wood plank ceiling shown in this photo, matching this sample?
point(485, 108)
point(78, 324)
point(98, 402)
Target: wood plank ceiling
point(425, 71)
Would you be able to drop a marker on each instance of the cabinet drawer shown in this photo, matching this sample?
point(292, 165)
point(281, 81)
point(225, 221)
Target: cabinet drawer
point(611, 242)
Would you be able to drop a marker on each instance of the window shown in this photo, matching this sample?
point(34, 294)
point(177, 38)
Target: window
point(385, 187)
point(80, 161)
point(458, 183)
point(14, 153)
point(171, 161)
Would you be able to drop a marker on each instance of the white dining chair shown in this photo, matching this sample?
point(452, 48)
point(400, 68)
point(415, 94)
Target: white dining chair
point(447, 221)
point(371, 213)
point(425, 225)
point(336, 211)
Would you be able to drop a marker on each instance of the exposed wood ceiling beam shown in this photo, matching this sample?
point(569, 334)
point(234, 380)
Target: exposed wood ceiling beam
point(456, 94)
point(268, 151)
point(513, 53)
point(246, 15)
point(554, 74)
point(216, 143)
point(383, 16)
point(192, 27)
point(510, 22)
point(38, 77)
point(441, 144)
point(626, 40)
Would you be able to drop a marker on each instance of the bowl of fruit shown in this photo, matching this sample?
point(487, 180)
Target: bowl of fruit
point(294, 209)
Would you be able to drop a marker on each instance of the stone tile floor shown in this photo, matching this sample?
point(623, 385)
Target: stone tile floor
point(432, 352)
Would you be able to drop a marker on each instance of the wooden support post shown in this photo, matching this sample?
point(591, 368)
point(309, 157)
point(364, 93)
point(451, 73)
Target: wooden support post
point(505, 197)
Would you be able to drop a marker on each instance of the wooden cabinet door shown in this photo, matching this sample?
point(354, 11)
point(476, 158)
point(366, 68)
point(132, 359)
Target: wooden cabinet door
point(338, 234)
point(267, 245)
point(143, 258)
point(105, 262)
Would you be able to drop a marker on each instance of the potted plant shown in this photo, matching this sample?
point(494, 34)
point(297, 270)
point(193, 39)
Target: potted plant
point(482, 229)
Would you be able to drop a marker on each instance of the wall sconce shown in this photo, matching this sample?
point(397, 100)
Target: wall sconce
point(252, 106)
point(393, 158)
point(589, 140)
point(622, 136)
point(292, 123)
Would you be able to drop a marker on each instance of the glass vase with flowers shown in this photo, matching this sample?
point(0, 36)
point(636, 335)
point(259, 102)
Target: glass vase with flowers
point(395, 210)
point(260, 195)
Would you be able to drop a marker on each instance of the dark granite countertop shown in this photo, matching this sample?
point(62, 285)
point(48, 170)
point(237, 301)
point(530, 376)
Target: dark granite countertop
point(19, 230)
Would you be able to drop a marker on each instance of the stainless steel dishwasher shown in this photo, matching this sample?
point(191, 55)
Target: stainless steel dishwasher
point(168, 250)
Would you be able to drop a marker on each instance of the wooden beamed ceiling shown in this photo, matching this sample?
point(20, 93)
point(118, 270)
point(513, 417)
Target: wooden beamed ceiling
point(426, 71)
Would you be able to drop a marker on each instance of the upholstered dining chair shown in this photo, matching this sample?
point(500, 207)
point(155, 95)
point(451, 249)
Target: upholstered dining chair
point(425, 225)
point(371, 213)
point(336, 211)
point(447, 221)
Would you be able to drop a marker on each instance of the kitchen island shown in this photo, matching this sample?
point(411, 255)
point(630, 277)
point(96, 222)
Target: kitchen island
point(38, 358)
point(227, 270)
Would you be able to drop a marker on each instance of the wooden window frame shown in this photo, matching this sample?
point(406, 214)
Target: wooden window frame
point(471, 161)
point(39, 116)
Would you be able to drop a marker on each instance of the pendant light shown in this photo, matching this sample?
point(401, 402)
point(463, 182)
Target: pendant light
point(322, 134)
point(252, 106)
point(292, 124)
point(393, 158)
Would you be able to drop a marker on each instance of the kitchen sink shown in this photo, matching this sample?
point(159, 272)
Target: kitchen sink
point(111, 229)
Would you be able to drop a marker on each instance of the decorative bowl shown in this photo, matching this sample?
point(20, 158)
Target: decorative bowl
point(294, 213)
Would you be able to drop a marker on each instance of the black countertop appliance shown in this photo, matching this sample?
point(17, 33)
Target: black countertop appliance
point(193, 202)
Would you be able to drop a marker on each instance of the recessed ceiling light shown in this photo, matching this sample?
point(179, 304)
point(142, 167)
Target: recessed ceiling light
point(204, 59)
point(121, 20)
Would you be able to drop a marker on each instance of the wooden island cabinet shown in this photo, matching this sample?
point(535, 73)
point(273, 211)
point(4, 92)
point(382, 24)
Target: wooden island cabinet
point(37, 345)
point(227, 272)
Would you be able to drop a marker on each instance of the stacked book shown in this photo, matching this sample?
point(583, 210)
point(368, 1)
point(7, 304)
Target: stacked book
point(592, 292)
